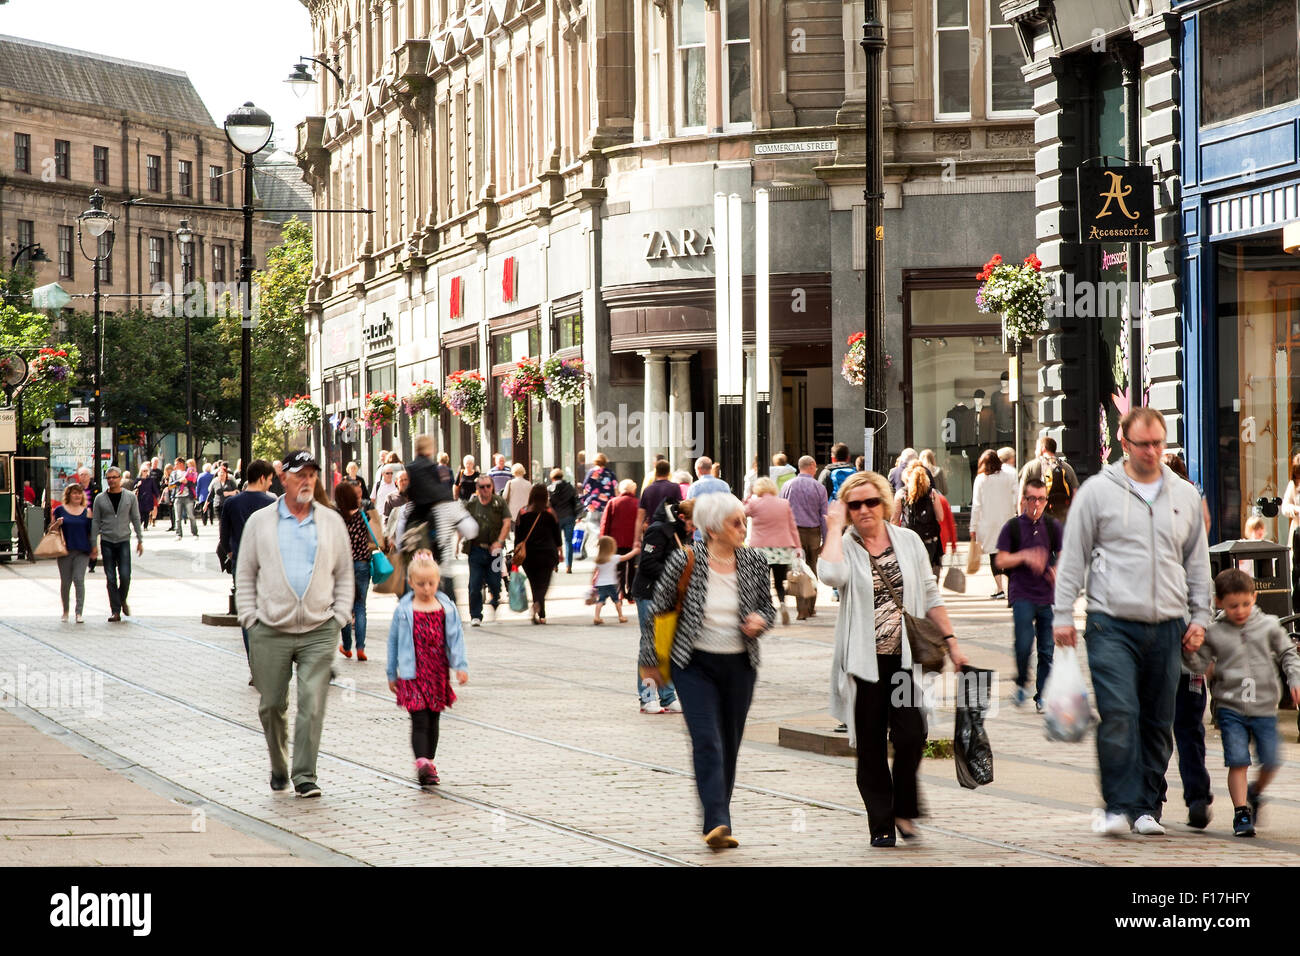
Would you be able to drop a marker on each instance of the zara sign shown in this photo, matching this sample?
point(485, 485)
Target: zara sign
point(666, 244)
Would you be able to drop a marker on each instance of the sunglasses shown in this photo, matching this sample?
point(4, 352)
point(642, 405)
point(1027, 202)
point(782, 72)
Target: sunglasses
point(869, 502)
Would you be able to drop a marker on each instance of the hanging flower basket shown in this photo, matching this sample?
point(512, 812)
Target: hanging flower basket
point(52, 365)
point(423, 397)
point(1017, 293)
point(466, 396)
point(854, 366)
point(380, 410)
point(566, 380)
point(523, 383)
point(298, 413)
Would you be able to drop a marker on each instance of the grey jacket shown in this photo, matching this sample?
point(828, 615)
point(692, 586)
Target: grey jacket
point(115, 526)
point(1246, 661)
point(1143, 562)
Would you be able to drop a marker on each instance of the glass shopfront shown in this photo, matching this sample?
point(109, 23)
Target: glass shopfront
point(520, 443)
point(957, 381)
point(1257, 320)
point(462, 440)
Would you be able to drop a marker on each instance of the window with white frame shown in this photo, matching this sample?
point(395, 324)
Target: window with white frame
point(155, 259)
point(952, 59)
point(652, 126)
point(539, 107)
point(478, 144)
point(691, 77)
point(1008, 91)
point(735, 64)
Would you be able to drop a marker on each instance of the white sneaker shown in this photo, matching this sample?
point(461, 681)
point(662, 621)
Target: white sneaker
point(475, 621)
point(1115, 824)
point(493, 612)
point(674, 708)
point(1147, 825)
point(652, 708)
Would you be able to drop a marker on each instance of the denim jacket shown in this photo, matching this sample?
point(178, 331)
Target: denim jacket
point(401, 638)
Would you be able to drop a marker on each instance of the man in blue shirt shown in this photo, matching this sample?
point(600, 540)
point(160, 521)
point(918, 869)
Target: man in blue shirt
point(706, 483)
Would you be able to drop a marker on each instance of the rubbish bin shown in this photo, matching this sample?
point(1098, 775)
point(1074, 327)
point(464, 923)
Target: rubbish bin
point(34, 520)
point(1267, 562)
point(6, 527)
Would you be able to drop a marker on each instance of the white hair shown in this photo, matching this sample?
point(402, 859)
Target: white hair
point(713, 510)
point(627, 486)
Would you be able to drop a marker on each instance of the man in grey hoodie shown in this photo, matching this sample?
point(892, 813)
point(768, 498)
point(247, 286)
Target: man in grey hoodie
point(1136, 533)
point(114, 514)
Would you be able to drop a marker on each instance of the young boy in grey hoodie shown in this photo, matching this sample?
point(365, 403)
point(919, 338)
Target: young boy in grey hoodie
point(1246, 647)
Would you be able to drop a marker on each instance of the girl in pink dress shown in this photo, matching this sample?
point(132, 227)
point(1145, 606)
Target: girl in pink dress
point(425, 642)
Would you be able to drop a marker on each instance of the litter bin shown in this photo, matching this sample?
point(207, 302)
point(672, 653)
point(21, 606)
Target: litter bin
point(6, 527)
point(1267, 562)
point(34, 520)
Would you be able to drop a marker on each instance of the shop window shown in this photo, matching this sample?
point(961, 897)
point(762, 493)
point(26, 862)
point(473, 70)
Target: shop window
point(1249, 58)
point(1258, 355)
point(952, 58)
point(958, 383)
point(568, 332)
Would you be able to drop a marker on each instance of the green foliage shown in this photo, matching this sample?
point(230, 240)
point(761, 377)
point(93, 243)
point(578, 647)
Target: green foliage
point(938, 749)
point(26, 332)
point(279, 347)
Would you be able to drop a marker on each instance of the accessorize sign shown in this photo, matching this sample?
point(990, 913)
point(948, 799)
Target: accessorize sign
point(1116, 204)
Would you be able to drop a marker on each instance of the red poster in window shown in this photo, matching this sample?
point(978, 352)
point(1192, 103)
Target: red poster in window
point(455, 297)
point(508, 280)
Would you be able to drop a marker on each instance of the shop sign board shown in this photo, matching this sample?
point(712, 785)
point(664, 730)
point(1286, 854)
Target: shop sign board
point(1116, 204)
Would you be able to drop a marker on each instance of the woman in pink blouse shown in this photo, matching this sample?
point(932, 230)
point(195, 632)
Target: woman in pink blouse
point(773, 534)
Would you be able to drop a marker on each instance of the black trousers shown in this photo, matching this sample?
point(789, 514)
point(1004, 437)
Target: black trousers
point(889, 707)
point(626, 574)
point(424, 733)
point(779, 571)
point(539, 582)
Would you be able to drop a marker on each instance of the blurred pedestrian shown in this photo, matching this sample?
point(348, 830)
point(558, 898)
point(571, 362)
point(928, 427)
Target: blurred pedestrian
point(365, 535)
point(993, 504)
point(564, 504)
point(620, 523)
point(773, 534)
point(1028, 547)
point(916, 507)
point(598, 489)
point(517, 490)
point(670, 530)
point(538, 533)
point(808, 502)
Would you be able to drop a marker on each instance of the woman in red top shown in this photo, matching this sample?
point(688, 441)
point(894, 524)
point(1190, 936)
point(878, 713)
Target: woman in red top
point(619, 522)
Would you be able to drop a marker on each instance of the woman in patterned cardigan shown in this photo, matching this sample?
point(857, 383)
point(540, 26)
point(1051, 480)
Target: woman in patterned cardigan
point(715, 655)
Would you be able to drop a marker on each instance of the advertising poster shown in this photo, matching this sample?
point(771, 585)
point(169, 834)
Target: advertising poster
point(71, 446)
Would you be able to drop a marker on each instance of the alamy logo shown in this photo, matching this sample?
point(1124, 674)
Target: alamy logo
point(75, 909)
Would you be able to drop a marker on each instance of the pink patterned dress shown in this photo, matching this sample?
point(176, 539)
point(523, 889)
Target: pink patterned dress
point(431, 688)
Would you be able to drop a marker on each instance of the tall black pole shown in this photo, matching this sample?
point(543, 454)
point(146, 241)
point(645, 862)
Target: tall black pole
point(99, 353)
point(189, 394)
point(873, 44)
point(1130, 60)
point(246, 331)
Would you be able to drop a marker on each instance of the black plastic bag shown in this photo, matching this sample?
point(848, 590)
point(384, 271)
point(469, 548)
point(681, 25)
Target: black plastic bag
point(971, 749)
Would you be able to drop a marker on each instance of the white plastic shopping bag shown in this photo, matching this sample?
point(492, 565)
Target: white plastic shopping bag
point(1066, 711)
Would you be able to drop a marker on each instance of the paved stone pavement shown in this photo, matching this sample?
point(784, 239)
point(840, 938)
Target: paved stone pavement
point(545, 758)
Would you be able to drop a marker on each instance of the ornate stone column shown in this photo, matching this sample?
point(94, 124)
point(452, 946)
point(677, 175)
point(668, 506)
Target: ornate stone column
point(654, 434)
point(683, 435)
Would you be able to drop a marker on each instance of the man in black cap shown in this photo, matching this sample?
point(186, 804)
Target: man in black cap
point(294, 585)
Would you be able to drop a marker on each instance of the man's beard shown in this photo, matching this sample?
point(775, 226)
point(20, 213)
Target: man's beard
point(306, 495)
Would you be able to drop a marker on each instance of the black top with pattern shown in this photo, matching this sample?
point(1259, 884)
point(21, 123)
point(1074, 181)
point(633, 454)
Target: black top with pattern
point(888, 619)
point(358, 536)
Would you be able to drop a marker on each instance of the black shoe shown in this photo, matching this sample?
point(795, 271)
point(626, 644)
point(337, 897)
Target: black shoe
point(1242, 825)
point(280, 783)
point(842, 729)
point(116, 618)
point(999, 596)
point(887, 839)
point(1199, 814)
point(1253, 800)
point(126, 608)
point(307, 790)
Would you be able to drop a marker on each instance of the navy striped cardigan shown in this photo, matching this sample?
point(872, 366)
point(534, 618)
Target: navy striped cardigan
point(753, 587)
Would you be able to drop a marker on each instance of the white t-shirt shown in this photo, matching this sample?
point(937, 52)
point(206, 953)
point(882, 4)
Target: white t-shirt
point(720, 633)
point(607, 573)
point(1147, 489)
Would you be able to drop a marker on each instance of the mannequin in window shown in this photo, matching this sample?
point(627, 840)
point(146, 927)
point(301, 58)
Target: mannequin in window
point(985, 431)
point(1004, 416)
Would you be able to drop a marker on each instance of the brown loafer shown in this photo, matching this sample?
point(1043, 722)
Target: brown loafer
point(720, 838)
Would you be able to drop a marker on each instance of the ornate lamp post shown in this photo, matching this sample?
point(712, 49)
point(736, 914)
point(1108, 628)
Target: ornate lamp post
point(100, 226)
point(185, 236)
point(873, 44)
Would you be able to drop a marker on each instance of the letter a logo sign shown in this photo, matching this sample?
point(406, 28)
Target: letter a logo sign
point(1118, 191)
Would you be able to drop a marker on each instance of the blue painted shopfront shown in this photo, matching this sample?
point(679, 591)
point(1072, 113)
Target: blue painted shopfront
point(1241, 291)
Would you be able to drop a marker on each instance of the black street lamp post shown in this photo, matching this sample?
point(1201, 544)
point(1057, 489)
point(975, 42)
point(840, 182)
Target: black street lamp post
point(873, 44)
point(185, 235)
point(249, 130)
point(99, 224)
point(37, 255)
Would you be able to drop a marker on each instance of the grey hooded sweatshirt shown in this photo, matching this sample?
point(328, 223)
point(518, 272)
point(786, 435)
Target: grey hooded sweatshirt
point(1246, 661)
point(1142, 562)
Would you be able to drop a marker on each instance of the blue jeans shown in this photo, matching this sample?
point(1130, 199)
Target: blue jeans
point(117, 570)
point(483, 569)
point(1237, 729)
point(667, 694)
point(716, 690)
point(566, 535)
point(1189, 737)
point(362, 571)
point(1135, 669)
point(1030, 619)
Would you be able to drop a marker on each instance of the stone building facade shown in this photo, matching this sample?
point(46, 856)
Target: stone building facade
point(542, 174)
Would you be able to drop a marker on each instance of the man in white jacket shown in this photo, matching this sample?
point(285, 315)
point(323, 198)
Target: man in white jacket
point(293, 593)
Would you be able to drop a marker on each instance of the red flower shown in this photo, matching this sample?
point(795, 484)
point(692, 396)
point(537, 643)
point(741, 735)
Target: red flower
point(857, 337)
point(1033, 262)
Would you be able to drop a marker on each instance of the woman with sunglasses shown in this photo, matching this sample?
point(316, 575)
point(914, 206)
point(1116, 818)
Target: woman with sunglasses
point(873, 682)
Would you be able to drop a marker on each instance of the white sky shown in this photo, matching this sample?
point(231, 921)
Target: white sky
point(234, 50)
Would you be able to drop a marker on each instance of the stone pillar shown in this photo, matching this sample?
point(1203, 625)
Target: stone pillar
point(683, 435)
point(654, 410)
point(776, 430)
point(751, 411)
point(1159, 38)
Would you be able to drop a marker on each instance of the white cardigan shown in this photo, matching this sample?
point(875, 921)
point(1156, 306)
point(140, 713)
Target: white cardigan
point(993, 504)
point(855, 630)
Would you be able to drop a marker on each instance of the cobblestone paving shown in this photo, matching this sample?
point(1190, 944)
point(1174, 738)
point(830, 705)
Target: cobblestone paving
point(546, 760)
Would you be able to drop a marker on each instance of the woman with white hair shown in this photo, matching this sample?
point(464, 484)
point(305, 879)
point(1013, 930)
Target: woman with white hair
point(726, 607)
point(516, 491)
point(905, 458)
